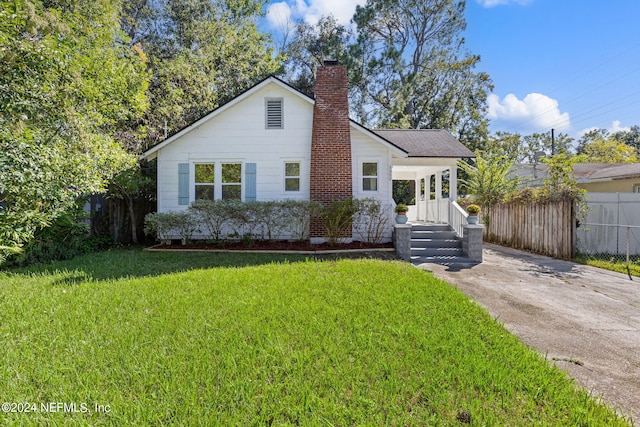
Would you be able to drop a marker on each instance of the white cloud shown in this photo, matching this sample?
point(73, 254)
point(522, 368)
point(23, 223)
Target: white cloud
point(615, 127)
point(279, 14)
point(492, 3)
point(312, 10)
point(534, 113)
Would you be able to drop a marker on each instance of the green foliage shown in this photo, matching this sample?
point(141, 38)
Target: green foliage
point(630, 138)
point(269, 218)
point(473, 208)
point(165, 225)
point(489, 181)
point(509, 145)
point(300, 213)
point(560, 183)
point(541, 142)
point(212, 215)
point(221, 220)
point(67, 85)
point(608, 151)
point(612, 263)
point(201, 54)
point(338, 219)
point(526, 149)
point(401, 207)
point(410, 68)
point(404, 192)
point(371, 220)
point(67, 237)
point(309, 46)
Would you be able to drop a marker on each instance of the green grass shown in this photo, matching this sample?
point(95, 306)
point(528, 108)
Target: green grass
point(613, 263)
point(191, 339)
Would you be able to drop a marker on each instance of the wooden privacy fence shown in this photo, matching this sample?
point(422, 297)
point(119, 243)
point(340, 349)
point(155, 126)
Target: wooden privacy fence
point(544, 228)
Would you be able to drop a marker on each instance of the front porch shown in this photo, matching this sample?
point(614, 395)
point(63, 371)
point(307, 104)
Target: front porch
point(436, 181)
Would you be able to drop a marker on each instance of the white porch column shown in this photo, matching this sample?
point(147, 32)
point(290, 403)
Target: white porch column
point(439, 185)
point(453, 183)
point(419, 214)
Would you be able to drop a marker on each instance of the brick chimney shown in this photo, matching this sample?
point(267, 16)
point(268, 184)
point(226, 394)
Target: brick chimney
point(330, 141)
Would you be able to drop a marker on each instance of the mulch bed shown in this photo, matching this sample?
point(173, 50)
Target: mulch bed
point(276, 246)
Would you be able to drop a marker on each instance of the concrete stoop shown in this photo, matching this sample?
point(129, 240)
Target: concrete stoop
point(436, 243)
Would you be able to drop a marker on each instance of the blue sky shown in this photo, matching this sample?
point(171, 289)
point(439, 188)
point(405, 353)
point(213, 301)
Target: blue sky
point(572, 65)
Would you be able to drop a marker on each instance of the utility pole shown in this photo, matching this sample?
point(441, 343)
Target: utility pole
point(553, 143)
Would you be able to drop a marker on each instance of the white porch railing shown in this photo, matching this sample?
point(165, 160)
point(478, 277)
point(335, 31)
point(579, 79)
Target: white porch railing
point(457, 217)
point(437, 211)
point(444, 211)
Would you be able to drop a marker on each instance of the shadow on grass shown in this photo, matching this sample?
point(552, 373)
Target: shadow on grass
point(135, 262)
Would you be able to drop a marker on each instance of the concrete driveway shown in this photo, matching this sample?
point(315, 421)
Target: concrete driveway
point(585, 319)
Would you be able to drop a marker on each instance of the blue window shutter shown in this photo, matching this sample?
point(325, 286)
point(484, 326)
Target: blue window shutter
point(250, 185)
point(183, 183)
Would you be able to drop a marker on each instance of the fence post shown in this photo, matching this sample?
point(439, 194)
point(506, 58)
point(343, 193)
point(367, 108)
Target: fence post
point(628, 241)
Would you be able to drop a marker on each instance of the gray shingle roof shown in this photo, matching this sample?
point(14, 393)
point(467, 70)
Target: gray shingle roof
point(425, 142)
point(585, 172)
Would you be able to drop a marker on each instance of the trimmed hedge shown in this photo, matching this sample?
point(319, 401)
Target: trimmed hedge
point(223, 220)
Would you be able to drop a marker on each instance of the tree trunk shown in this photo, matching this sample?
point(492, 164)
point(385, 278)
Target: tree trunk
point(132, 217)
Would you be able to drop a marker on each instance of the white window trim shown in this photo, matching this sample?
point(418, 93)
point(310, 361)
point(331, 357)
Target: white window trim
point(242, 181)
point(284, 176)
point(266, 113)
point(636, 188)
point(362, 176)
point(192, 178)
point(217, 176)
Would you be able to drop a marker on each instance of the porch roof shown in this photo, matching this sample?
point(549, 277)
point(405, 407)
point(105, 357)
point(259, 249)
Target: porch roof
point(426, 142)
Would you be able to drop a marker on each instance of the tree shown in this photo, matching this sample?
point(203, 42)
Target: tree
point(310, 46)
point(413, 71)
point(490, 179)
point(589, 137)
point(608, 151)
point(509, 145)
point(68, 82)
point(201, 53)
point(542, 143)
point(630, 137)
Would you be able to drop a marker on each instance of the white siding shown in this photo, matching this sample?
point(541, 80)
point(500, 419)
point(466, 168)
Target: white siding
point(238, 134)
point(365, 149)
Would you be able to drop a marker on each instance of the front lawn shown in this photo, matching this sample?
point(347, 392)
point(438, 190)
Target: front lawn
point(191, 339)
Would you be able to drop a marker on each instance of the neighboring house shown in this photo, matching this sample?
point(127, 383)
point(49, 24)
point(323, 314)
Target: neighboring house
point(612, 202)
point(593, 177)
point(272, 142)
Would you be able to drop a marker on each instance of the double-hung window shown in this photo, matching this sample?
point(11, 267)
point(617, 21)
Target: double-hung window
point(232, 181)
point(291, 176)
point(369, 176)
point(205, 181)
point(218, 181)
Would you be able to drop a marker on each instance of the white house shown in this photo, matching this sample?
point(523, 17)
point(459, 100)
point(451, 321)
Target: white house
point(273, 142)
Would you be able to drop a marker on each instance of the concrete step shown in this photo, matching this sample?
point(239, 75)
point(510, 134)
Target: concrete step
point(435, 243)
point(436, 251)
point(430, 234)
point(430, 227)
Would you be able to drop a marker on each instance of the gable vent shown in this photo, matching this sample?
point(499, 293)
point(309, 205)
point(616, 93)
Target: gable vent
point(274, 113)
